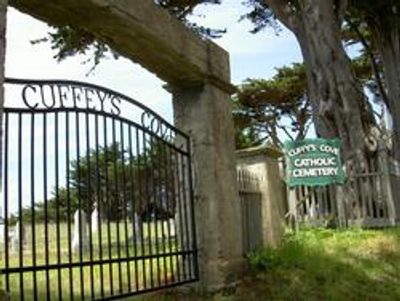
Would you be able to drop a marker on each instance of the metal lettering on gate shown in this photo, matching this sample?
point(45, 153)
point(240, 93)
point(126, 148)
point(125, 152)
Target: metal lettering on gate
point(97, 199)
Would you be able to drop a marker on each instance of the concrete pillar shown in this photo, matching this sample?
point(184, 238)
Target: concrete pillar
point(204, 113)
point(263, 161)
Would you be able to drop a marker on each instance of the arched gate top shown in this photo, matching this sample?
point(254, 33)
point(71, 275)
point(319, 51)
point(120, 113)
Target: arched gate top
point(51, 95)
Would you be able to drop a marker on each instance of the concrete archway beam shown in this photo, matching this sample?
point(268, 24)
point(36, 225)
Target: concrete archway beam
point(142, 32)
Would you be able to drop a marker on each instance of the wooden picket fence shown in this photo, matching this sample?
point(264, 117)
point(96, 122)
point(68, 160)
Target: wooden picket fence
point(371, 199)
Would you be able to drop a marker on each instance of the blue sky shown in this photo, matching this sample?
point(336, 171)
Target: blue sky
point(251, 55)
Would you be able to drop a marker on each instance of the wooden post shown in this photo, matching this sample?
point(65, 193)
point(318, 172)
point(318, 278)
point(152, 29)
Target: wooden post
point(387, 185)
point(292, 220)
point(341, 206)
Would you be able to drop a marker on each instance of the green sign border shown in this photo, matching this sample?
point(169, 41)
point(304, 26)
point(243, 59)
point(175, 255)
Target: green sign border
point(291, 181)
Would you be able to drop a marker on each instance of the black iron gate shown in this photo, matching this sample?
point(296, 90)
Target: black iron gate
point(97, 199)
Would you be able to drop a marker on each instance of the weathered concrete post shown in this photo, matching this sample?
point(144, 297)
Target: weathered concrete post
point(263, 161)
point(80, 241)
point(204, 113)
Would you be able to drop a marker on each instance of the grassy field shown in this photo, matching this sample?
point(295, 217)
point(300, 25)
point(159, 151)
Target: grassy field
point(319, 265)
point(108, 277)
point(331, 265)
point(314, 264)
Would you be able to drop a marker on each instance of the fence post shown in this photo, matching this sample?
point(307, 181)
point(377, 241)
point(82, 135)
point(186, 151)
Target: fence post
point(387, 185)
point(341, 206)
point(292, 204)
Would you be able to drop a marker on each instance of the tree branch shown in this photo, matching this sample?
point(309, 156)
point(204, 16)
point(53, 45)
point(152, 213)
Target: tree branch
point(374, 64)
point(273, 134)
point(283, 128)
point(283, 12)
point(341, 9)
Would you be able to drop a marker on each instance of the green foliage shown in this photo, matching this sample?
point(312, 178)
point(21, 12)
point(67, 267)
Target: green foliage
point(324, 264)
point(278, 109)
point(57, 208)
point(110, 240)
point(317, 264)
point(372, 7)
point(262, 107)
point(69, 40)
point(260, 15)
point(291, 254)
point(360, 14)
point(124, 180)
point(181, 9)
point(286, 87)
point(368, 65)
point(246, 138)
point(114, 181)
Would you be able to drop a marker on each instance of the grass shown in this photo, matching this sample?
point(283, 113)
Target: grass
point(143, 272)
point(314, 264)
point(325, 264)
point(318, 264)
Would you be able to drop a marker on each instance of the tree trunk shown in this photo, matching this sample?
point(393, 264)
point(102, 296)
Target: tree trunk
point(386, 33)
point(340, 107)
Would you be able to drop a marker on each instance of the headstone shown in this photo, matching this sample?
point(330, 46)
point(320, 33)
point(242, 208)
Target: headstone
point(18, 237)
point(2, 233)
point(169, 230)
point(172, 231)
point(164, 199)
point(80, 228)
point(95, 220)
point(138, 228)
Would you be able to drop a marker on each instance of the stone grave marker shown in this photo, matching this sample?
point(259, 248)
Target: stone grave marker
point(80, 228)
point(95, 220)
point(19, 236)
